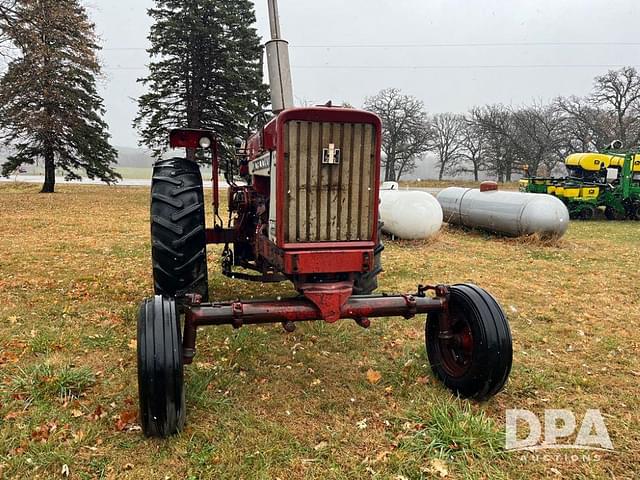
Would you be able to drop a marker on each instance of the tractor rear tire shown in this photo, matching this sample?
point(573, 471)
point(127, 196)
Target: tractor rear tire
point(178, 234)
point(367, 283)
point(160, 368)
point(475, 360)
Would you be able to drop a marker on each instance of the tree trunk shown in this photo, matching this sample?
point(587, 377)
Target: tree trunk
point(391, 175)
point(49, 171)
point(390, 172)
point(476, 173)
point(441, 176)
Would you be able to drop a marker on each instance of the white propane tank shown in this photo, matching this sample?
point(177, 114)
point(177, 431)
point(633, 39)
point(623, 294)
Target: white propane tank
point(410, 215)
point(509, 213)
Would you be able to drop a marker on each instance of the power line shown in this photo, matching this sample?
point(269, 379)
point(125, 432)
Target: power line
point(442, 45)
point(475, 44)
point(453, 67)
point(424, 67)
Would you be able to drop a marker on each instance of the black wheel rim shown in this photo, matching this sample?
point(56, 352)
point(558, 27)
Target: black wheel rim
point(456, 350)
point(587, 214)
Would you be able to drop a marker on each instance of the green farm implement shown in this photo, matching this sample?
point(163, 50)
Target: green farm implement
point(590, 185)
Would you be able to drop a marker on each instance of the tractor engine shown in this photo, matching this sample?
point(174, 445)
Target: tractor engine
point(310, 211)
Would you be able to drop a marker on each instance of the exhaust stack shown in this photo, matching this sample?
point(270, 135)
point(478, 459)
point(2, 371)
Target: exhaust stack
point(278, 63)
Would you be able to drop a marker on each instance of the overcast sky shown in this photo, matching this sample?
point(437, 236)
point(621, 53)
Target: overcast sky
point(453, 54)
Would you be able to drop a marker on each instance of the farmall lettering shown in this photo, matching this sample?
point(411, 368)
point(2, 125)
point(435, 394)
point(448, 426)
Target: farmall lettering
point(261, 166)
point(304, 213)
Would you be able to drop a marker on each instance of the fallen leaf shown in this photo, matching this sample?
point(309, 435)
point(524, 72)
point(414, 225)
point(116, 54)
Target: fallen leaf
point(422, 380)
point(362, 424)
point(12, 415)
point(438, 467)
point(321, 446)
point(373, 377)
point(19, 450)
point(125, 419)
point(382, 456)
point(98, 413)
point(76, 413)
point(133, 344)
point(40, 434)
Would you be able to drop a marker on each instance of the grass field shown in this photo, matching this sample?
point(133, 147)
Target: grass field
point(267, 405)
point(135, 173)
point(128, 173)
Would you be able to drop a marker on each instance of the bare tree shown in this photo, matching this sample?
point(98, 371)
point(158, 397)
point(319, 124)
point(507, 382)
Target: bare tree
point(618, 93)
point(495, 123)
point(537, 137)
point(474, 146)
point(586, 127)
point(446, 140)
point(405, 132)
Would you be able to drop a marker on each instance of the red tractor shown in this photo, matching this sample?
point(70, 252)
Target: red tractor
point(307, 214)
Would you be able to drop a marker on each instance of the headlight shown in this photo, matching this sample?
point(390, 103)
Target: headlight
point(205, 142)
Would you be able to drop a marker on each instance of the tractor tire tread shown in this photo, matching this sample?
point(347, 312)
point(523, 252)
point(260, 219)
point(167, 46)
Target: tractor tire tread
point(198, 256)
point(185, 212)
point(179, 242)
point(159, 245)
point(169, 200)
point(178, 229)
point(160, 368)
point(170, 180)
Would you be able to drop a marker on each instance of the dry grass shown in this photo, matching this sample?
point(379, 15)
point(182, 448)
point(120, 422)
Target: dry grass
point(265, 405)
point(452, 183)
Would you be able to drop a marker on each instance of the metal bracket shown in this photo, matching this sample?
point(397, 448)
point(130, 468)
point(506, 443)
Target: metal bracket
point(441, 291)
point(412, 306)
point(237, 312)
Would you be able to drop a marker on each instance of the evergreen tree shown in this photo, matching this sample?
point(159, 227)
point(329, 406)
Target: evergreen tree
point(49, 106)
point(7, 17)
point(207, 71)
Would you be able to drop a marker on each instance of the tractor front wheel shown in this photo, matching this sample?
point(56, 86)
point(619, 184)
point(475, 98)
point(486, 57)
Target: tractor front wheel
point(473, 358)
point(160, 368)
point(178, 234)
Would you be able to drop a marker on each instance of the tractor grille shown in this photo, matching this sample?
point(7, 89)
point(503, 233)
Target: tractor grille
point(329, 202)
